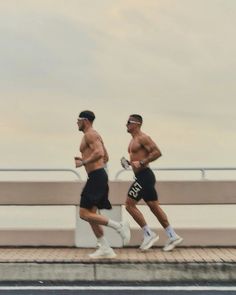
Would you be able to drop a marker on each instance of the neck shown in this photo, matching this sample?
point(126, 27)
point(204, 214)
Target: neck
point(136, 133)
point(87, 128)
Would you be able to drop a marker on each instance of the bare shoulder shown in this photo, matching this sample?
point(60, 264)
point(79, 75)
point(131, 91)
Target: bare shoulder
point(92, 136)
point(144, 138)
point(147, 142)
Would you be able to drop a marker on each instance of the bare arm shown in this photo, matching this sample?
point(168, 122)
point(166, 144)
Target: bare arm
point(152, 149)
point(152, 152)
point(96, 147)
point(105, 157)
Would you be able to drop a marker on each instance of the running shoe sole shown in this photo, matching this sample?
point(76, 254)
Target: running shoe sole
point(150, 244)
point(171, 246)
point(102, 256)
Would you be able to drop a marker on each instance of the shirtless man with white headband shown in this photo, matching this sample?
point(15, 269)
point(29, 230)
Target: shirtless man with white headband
point(142, 151)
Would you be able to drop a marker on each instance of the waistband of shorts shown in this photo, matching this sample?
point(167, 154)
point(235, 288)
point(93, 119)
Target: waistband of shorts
point(144, 170)
point(94, 172)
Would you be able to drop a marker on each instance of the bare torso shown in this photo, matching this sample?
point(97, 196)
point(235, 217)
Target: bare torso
point(93, 151)
point(142, 147)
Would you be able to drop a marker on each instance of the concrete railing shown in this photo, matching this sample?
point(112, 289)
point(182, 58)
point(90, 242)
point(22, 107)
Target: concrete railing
point(202, 171)
point(46, 213)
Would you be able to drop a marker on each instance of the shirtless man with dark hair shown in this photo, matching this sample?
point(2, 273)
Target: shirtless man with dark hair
point(94, 196)
point(143, 150)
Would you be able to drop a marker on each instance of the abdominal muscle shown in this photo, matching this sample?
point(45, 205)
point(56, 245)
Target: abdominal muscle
point(94, 166)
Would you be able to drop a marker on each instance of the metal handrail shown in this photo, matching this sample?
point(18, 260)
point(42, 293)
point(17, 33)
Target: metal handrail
point(201, 169)
point(40, 170)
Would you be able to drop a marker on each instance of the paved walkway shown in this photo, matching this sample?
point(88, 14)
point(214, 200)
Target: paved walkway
point(125, 255)
point(73, 264)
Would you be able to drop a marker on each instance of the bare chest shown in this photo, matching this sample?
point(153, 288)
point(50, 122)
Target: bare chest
point(134, 147)
point(83, 146)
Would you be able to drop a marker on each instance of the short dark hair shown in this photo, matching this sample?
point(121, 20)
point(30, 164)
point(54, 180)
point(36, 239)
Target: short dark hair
point(88, 115)
point(137, 117)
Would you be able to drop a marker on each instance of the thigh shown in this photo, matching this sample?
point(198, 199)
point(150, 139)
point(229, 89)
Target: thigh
point(148, 182)
point(150, 194)
point(135, 191)
point(131, 202)
point(90, 210)
point(95, 192)
point(143, 188)
point(153, 205)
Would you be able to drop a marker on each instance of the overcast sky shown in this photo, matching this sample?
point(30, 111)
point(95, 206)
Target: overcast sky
point(172, 61)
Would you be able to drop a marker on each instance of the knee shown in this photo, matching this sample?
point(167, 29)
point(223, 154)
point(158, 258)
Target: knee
point(83, 214)
point(129, 207)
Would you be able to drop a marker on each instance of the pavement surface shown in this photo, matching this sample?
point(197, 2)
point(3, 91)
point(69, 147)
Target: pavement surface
point(73, 264)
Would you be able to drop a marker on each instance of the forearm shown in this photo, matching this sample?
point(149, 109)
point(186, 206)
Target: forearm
point(151, 157)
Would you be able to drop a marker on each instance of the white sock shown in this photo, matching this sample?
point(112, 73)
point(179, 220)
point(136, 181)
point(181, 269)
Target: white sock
point(147, 231)
point(170, 232)
point(103, 242)
point(113, 224)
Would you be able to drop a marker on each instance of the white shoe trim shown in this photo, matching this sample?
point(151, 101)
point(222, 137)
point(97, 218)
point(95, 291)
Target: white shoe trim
point(149, 244)
point(172, 244)
point(98, 255)
point(124, 231)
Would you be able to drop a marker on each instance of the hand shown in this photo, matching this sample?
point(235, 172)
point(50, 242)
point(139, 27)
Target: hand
point(136, 164)
point(78, 162)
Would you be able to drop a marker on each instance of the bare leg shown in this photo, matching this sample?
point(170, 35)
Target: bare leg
point(149, 237)
point(174, 239)
point(91, 216)
point(97, 229)
point(159, 213)
point(137, 215)
point(96, 221)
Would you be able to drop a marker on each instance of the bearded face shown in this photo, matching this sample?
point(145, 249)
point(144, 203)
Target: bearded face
point(132, 124)
point(80, 124)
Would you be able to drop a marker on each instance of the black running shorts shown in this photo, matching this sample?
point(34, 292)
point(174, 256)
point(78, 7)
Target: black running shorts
point(95, 192)
point(144, 186)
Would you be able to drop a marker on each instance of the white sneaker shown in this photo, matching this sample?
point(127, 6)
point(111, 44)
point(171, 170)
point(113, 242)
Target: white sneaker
point(124, 231)
point(148, 241)
point(172, 243)
point(98, 245)
point(103, 252)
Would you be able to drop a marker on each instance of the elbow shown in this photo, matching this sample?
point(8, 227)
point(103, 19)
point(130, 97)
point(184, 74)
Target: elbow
point(106, 159)
point(158, 154)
